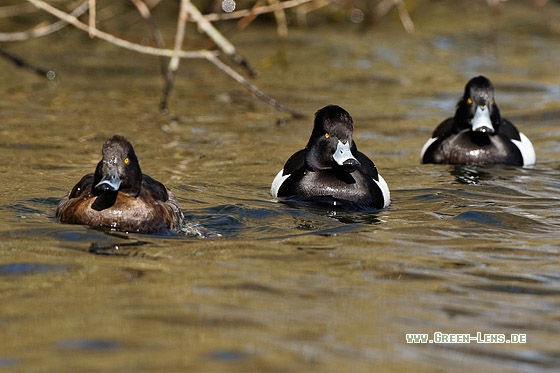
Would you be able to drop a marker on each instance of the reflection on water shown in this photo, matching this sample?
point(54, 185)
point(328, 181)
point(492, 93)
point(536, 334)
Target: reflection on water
point(470, 174)
point(344, 211)
point(17, 269)
point(253, 284)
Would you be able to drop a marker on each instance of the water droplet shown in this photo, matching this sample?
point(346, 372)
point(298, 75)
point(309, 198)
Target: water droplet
point(228, 6)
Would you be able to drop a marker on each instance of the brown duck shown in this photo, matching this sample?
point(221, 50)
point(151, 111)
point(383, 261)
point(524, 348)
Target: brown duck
point(119, 196)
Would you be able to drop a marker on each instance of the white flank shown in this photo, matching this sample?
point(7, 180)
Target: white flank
point(527, 150)
point(426, 146)
point(385, 190)
point(277, 182)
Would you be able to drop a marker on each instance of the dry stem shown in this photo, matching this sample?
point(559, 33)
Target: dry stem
point(189, 12)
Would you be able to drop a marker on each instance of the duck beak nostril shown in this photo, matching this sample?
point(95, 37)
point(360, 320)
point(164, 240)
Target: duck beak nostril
point(343, 155)
point(351, 162)
point(110, 182)
point(481, 122)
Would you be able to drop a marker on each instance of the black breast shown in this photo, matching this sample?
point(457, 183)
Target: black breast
point(469, 147)
point(333, 185)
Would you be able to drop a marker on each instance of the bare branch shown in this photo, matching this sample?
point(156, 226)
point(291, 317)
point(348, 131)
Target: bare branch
point(224, 44)
point(117, 41)
point(44, 30)
point(174, 61)
point(91, 18)
point(187, 10)
point(257, 92)
point(144, 11)
point(281, 21)
point(385, 6)
point(258, 10)
point(18, 61)
point(303, 10)
point(405, 17)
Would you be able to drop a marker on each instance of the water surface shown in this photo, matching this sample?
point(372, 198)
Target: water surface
point(251, 284)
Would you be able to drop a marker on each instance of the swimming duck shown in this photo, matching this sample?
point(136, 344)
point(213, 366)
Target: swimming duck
point(119, 196)
point(477, 134)
point(330, 169)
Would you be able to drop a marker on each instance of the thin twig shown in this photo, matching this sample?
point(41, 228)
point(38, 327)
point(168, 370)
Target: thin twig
point(281, 22)
point(257, 92)
point(44, 30)
point(302, 11)
point(175, 59)
point(404, 16)
point(144, 11)
point(259, 10)
point(385, 6)
point(224, 44)
point(44, 72)
point(117, 41)
point(248, 19)
point(92, 17)
point(176, 53)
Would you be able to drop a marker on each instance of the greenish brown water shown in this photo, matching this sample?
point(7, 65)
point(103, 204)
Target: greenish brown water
point(274, 287)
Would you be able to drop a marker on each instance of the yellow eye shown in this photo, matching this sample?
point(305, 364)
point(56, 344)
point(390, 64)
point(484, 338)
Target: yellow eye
point(126, 160)
point(327, 135)
point(492, 101)
point(469, 100)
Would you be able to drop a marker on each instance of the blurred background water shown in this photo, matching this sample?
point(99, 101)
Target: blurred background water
point(251, 284)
